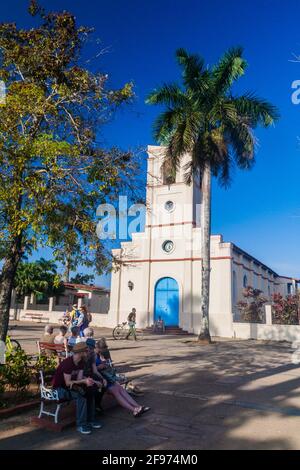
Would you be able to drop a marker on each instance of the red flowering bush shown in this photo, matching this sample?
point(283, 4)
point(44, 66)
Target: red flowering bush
point(285, 310)
point(252, 308)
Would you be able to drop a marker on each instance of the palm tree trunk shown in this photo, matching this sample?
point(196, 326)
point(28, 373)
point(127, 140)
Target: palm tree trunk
point(67, 272)
point(7, 281)
point(204, 334)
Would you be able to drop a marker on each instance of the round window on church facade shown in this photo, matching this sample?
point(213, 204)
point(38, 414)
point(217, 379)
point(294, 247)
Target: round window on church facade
point(168, 246)
point(169, 206)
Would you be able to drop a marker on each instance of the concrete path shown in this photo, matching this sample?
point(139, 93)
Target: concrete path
point(229, 395)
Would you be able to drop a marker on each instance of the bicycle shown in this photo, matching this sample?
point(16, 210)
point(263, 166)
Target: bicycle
point(12, 344)
point(122, 330)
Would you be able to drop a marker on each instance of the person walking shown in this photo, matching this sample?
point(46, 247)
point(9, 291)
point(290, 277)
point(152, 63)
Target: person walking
point(132, 324)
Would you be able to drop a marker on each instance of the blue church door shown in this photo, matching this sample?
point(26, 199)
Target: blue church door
point(167, 301)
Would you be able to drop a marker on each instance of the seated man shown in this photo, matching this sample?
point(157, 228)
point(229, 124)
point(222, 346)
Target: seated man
point(48, 336)
point(90, 370)
point(88, 332)
point(71, 384)
point(74, 338)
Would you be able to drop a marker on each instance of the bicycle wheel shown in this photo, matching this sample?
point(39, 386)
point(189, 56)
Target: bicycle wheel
point(119, 332)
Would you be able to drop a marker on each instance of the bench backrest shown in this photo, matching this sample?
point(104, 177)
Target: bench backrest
point(59, 349)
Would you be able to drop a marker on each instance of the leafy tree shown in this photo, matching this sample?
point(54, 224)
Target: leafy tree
point(205, 119)
point(54, 172)
point(83, 279)
point(39, 278)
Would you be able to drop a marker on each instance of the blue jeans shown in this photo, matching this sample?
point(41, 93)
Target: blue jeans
point(85, 405)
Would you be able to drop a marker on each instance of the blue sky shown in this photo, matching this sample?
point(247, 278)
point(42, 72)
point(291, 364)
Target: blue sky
point(260, 212)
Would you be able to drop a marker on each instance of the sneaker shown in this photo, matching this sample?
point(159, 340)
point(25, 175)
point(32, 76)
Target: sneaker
point(84, 430)
point(96, 425)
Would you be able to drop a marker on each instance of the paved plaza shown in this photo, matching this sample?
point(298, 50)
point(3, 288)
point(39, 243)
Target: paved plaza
point(229, 395)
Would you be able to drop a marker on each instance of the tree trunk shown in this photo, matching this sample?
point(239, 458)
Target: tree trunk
point(66, 277)
point(204, 334)
point(7, 281)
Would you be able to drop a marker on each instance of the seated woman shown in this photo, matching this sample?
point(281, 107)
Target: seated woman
point(159, 326)
point(104, 368)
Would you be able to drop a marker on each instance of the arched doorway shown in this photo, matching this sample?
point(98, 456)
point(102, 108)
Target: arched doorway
point(166, 303)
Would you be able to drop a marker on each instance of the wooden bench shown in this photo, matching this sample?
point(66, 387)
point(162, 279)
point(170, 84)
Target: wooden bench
point(64, 413)
point(59, 350)
point(35, 316)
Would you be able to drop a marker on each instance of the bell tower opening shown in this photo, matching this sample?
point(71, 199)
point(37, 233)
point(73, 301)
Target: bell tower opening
point(168, 173)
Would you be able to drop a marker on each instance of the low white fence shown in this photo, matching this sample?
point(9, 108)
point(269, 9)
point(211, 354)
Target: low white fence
point(53, 317)
point(266, 331)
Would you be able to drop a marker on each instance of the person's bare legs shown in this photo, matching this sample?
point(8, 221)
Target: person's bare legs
point(115, 391)
point(127, 397)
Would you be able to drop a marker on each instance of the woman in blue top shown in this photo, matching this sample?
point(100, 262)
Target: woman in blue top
point(83, 321)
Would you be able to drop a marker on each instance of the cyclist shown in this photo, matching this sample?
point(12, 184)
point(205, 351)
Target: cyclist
point(131, 323)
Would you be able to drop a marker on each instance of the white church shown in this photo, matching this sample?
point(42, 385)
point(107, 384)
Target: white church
point(160, 272)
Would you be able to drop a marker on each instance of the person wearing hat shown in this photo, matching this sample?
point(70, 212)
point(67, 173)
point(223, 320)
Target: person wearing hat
point(90, 370)
point(70, 383)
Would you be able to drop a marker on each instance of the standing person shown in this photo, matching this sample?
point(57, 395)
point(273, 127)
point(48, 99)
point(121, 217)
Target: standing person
point(83, 321)
point(71, 384)
point(131, 323)
point(89, 317)
point(74, 315)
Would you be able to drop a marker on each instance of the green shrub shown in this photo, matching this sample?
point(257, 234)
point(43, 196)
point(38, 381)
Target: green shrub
point(47, 364)
point(16, 371)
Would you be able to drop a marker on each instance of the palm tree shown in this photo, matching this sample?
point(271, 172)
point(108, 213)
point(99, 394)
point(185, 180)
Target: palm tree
point(205, 119)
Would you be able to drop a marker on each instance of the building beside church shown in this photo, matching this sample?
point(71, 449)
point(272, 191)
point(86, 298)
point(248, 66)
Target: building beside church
point(160, 272)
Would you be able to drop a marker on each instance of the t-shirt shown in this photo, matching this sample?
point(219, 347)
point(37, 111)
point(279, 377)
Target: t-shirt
point(48, 338)
point(74, 317)
point(66, 367)
point(73, 340)
point(59, 339)
point(131, 317)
